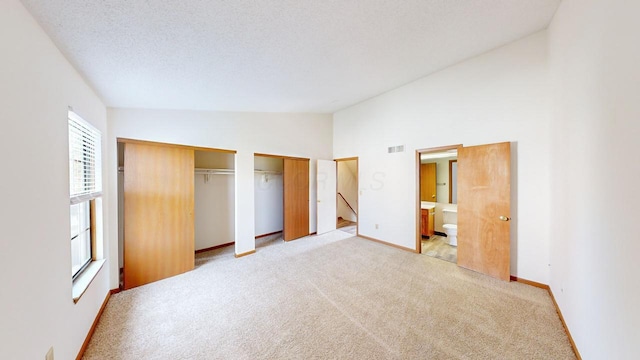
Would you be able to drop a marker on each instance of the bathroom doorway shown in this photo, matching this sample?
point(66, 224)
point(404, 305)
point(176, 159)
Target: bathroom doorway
point(437, 234)
point(478, 224)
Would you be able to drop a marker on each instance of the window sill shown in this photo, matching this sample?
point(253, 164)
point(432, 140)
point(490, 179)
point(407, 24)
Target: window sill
point(82, 282)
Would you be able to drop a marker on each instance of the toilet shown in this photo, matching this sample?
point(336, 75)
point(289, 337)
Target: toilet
point(452, 233)
point(450, 220)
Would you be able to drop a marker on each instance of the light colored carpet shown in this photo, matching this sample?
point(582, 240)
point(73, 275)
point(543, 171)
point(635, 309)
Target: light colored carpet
point(329, 296)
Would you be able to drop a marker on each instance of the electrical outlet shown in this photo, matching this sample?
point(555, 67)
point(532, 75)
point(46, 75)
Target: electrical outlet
point(49, 355)
point(376, 226)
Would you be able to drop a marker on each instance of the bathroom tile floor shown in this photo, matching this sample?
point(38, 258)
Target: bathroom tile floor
point(438, 247)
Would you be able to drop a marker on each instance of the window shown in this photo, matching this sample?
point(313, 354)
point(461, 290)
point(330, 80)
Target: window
point(85, 187)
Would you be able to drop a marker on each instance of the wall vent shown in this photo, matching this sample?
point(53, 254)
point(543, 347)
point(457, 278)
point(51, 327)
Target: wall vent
point(395, 149)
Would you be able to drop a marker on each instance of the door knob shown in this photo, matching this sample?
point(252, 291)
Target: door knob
point(504, 218)
point(433, 196)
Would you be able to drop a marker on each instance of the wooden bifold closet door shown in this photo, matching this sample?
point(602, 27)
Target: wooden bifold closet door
point(158, 212)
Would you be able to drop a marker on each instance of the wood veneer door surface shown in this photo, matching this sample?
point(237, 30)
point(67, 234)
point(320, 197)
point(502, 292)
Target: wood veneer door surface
point(158, 213)
point(484, 174)
point(430, 222)
point(296, 198)
point(428, 182)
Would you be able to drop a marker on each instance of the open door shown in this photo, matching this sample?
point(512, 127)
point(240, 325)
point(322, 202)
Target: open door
point(428, 182)
point(484, 209)
point(158, 212)
point(327, 189)
point(296, 198)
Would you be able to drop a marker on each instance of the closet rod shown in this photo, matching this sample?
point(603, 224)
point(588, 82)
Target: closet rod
point(203, 171)
point(268, 172)
point(200, 171)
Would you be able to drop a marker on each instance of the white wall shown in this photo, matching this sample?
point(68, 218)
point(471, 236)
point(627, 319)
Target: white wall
point(298, 135)
point(348, 187)
point(269, 196)
point(594, 58)
point(502, 95)
point(37, 85)
point(214, 201)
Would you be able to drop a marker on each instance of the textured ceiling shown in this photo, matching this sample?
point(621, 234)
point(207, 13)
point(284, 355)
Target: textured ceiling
point(273, 55)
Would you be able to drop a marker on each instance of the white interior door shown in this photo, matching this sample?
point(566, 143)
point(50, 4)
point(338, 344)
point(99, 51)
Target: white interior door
point(327, 192)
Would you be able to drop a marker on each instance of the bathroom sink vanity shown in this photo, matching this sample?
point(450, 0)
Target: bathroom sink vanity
point(427, 219)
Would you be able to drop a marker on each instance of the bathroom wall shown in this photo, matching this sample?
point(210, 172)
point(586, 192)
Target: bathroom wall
point(442, 177)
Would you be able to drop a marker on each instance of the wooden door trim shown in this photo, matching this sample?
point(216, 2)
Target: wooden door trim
point(387, 243)
point(357, 160)
point(438, 149)
point(245, 253)
point(450, 179)
point(155, 143)
point(280, 156)
point(555, 304)
point(418, 212)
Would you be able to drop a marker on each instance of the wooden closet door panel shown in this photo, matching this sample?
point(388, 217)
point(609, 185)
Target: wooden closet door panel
point(296, 198)
point(158, 213)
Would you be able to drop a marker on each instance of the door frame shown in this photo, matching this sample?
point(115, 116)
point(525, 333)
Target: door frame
point(156, 143)
point(357, 192)
point(417, 169)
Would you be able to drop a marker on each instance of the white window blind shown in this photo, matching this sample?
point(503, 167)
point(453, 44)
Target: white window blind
point(84, 160)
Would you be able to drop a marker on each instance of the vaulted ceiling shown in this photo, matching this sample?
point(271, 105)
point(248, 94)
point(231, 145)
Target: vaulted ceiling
point(273, 55)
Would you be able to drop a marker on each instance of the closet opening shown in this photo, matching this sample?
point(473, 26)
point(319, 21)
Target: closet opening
point(173, 201)
point(268, 199)
point(214, 203)
point(281, 208)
